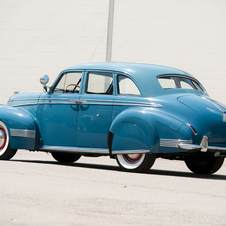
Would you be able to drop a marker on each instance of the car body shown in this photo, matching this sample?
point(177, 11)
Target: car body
point(132, 112)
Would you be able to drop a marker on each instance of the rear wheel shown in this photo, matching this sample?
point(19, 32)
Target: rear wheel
point(65, 157)
point(6, 152)
point(136, 162)
point(204, 164)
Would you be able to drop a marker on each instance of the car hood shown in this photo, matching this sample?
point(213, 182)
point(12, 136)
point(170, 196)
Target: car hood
point(24, 98)
point(211, 112)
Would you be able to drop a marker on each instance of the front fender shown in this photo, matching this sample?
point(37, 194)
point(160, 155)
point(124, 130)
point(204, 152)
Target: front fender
point(21, 126)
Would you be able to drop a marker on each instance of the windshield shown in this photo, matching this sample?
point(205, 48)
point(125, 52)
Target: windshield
point(68, 83)
point(177, 82)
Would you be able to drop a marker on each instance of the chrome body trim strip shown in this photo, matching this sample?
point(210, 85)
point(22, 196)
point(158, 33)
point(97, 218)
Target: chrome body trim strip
point(81, 101)
point(95, 102)
point(89, 150)
point(173, 143)
point(29, 99)
point(20, 105)
point(22, 133)
point(130, 151)
point(132, 103)
point(74, 149)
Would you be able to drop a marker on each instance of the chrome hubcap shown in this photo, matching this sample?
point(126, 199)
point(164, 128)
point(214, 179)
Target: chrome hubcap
point(132, 158)
point(2, 139)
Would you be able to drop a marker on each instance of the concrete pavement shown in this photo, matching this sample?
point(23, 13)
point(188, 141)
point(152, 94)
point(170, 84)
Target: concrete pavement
point(36, 190)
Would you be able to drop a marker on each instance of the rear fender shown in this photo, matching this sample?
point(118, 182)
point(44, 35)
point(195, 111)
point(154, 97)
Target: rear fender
point(139, 130)
point(133, 132)
point(21, 126)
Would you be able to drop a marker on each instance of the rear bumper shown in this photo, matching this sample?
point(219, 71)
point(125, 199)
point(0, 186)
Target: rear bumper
point(200, 147)
point(203, 146)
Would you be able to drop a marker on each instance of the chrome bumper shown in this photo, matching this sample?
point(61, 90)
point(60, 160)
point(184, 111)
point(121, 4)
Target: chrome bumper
point(203, 146)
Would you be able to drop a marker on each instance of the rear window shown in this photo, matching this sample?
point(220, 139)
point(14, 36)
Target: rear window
point(177, 82)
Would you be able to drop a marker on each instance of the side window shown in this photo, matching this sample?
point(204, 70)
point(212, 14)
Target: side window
point(126, 86)
point(197, 86)
point(167, 83)
point(179, 82)
point(69, 83)
point(99, 83)
point(185, 85)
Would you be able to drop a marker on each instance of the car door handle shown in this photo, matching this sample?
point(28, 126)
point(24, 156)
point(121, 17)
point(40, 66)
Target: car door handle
point(80, 101)
point(77, 101)
point(73, 101)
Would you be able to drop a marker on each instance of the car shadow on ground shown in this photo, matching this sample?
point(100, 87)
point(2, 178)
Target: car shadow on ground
point(116, 168)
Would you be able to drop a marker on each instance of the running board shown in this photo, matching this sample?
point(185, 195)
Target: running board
point(121, 152)
point(48, 148)
point(104, 151)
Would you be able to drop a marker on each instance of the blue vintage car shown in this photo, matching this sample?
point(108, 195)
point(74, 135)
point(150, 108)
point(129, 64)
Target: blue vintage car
point(134, 113)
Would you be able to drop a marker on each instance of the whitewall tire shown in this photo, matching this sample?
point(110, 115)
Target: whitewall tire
point(136, 162)
point(6, 152)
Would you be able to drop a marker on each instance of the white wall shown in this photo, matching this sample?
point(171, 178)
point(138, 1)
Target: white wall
point(186, 34)
point(45, 36)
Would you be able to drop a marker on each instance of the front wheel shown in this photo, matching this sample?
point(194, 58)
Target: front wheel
point(204, 164)
point(6, 152)
point(136, 162)
point(65, 157)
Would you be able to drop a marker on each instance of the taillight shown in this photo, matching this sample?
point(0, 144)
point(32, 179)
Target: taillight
point(192, 128)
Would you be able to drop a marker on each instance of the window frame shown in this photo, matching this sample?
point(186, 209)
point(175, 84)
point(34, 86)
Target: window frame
point(60, 77)
point(106, 73)
point(193, 81)
point(129, 77)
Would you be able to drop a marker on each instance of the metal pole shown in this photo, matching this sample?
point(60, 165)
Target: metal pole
point(110, 30)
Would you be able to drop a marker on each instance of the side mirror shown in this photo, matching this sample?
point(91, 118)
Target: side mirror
point(44, 80)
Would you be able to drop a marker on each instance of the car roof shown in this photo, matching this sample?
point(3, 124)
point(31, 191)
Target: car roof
point(132, 68)
point(145, 75)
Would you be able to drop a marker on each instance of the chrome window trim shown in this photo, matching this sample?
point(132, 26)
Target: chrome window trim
point(182, 76)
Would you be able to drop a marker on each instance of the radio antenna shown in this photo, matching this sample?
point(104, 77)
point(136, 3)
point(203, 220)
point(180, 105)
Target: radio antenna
point(97, 46)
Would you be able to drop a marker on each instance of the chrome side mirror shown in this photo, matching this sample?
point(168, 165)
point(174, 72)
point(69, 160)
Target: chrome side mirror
point(44, 80)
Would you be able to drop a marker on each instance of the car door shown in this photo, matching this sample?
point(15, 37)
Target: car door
point(95, 112)
point(60, 111)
